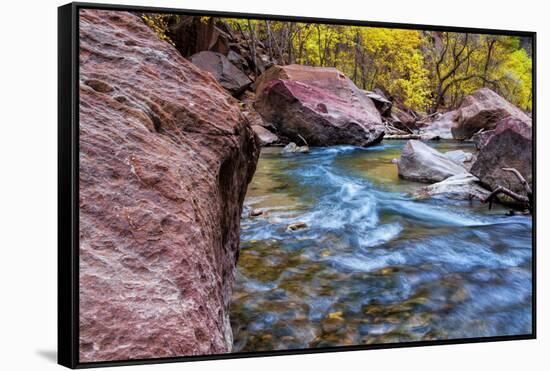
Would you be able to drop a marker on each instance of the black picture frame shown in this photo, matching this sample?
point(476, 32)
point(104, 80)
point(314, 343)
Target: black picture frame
point(68, 184)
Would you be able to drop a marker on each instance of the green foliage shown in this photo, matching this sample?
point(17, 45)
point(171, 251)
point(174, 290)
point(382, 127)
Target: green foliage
point(515, 77)
point(460, 63)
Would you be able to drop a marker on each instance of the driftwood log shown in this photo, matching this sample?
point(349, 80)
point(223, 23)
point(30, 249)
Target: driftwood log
point(524, 200)
point(402, 136)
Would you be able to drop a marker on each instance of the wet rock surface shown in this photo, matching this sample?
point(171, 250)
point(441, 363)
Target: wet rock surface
point(165, 158)
point(294, 148)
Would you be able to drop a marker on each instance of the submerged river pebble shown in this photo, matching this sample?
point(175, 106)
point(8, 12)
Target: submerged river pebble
point(371, 265)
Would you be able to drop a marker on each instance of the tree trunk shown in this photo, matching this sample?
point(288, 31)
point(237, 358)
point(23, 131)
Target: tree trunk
point(252, 32)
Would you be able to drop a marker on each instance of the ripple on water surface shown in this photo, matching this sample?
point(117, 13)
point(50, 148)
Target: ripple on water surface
point(373, 265)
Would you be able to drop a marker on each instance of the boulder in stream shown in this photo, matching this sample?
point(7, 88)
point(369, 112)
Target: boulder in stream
point(459, 156)
point(463, 186)
point(422, 163)
point(320, 104)
point(509, 146)
point(265, 137)
point(440, 127)
point(294, 148)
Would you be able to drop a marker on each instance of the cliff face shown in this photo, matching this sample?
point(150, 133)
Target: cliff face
point(165, 158)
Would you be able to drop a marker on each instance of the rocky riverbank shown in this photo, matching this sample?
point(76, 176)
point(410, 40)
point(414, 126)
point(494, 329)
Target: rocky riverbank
point(170, 134)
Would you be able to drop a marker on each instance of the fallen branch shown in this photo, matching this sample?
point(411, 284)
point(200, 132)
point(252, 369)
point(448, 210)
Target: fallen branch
point(402, 136)
point(391, 128)
point(303, 140)
point(429, 116)
point(500, 189)
point(526, 200)
point(521, 180)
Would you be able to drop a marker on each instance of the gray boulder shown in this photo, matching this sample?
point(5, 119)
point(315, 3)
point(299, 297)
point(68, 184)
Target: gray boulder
point(422, 163)
point(294, 148)
point(459, 156)
point(265, 136)
point(462, 186)
point(440, 127)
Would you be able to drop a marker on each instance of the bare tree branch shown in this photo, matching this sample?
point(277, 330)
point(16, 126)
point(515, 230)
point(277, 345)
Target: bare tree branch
point(520, 178)
point(500, 189)
point(527, 200)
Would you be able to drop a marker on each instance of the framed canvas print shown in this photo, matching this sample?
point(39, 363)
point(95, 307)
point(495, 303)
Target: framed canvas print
point(236, 185)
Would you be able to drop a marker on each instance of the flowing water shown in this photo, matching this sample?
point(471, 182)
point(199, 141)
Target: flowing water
point(373, 265)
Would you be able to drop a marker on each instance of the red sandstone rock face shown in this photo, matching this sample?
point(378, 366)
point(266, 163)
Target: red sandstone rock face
point(320, 104)
point(165, 157)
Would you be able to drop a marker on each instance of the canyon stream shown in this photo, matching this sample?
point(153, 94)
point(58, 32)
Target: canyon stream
point(373, 265)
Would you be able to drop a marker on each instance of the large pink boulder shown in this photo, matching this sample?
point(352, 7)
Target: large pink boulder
point(319, 104)
point(165, 158)
point(483, 109)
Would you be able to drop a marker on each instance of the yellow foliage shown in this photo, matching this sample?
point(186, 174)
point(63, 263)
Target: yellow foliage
point(159, 24)
point(424, 70)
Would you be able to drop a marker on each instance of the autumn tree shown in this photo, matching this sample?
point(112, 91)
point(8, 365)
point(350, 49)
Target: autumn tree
point(424, 70)
point(460, 63)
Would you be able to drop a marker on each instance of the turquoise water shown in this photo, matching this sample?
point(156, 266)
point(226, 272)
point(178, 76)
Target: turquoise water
point(373, 265)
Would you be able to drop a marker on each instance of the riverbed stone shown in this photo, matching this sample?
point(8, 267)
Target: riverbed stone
point(256, 212)
point(294, 148)
point(297, 225)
